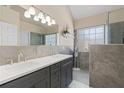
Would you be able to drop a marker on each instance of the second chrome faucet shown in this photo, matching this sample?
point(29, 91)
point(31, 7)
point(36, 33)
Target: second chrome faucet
point(20, 56)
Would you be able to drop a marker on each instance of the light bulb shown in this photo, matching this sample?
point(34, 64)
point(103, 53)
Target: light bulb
point(53, 22)
point(27, 14)
point(40, 15)
point(43, 21)
point(32, 10)
point(49, 24)
point(48, 18)
point(36, 18)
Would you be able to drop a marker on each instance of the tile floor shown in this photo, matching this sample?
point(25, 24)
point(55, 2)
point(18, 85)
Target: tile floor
point(80, 79)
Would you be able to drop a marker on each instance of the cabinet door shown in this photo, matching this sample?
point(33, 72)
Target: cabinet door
point(66, 73)
point(44, 79)
point(63, 75)
point(44, 83)
point(55, 76)
point(69, 73)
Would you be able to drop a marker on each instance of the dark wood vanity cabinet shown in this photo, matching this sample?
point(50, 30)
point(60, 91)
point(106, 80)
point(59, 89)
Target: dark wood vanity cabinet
point(55, 76)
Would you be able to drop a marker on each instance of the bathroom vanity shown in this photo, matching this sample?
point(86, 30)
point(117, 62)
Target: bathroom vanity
point(47, 72)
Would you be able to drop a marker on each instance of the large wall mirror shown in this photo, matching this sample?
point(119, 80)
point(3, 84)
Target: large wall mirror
point(16, 30)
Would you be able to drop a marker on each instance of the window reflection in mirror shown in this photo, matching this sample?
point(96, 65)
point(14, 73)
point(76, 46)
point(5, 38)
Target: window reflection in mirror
point(51, 39)
point(43, 39)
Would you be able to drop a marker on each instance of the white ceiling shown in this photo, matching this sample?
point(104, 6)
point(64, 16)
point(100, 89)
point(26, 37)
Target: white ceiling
point(82, 11)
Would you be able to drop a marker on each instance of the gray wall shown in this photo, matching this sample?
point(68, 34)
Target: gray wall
point(106, 65)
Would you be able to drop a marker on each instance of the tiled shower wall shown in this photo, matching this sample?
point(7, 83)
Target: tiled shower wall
point(83, 60)
point(11, 52)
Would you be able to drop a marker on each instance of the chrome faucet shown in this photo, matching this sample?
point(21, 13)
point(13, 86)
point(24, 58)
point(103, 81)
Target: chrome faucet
point(10, 60)
point(20, 55)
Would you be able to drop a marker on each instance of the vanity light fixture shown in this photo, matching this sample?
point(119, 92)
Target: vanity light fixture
point(43, 20)
point(49, 23)
point(36, 18)
point(40, 16)
point(31, 10)
point(27, 14)
point(53, 21)
point(48, 18)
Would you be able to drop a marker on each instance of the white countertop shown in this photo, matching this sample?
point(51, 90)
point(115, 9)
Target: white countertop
point(10, 72)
